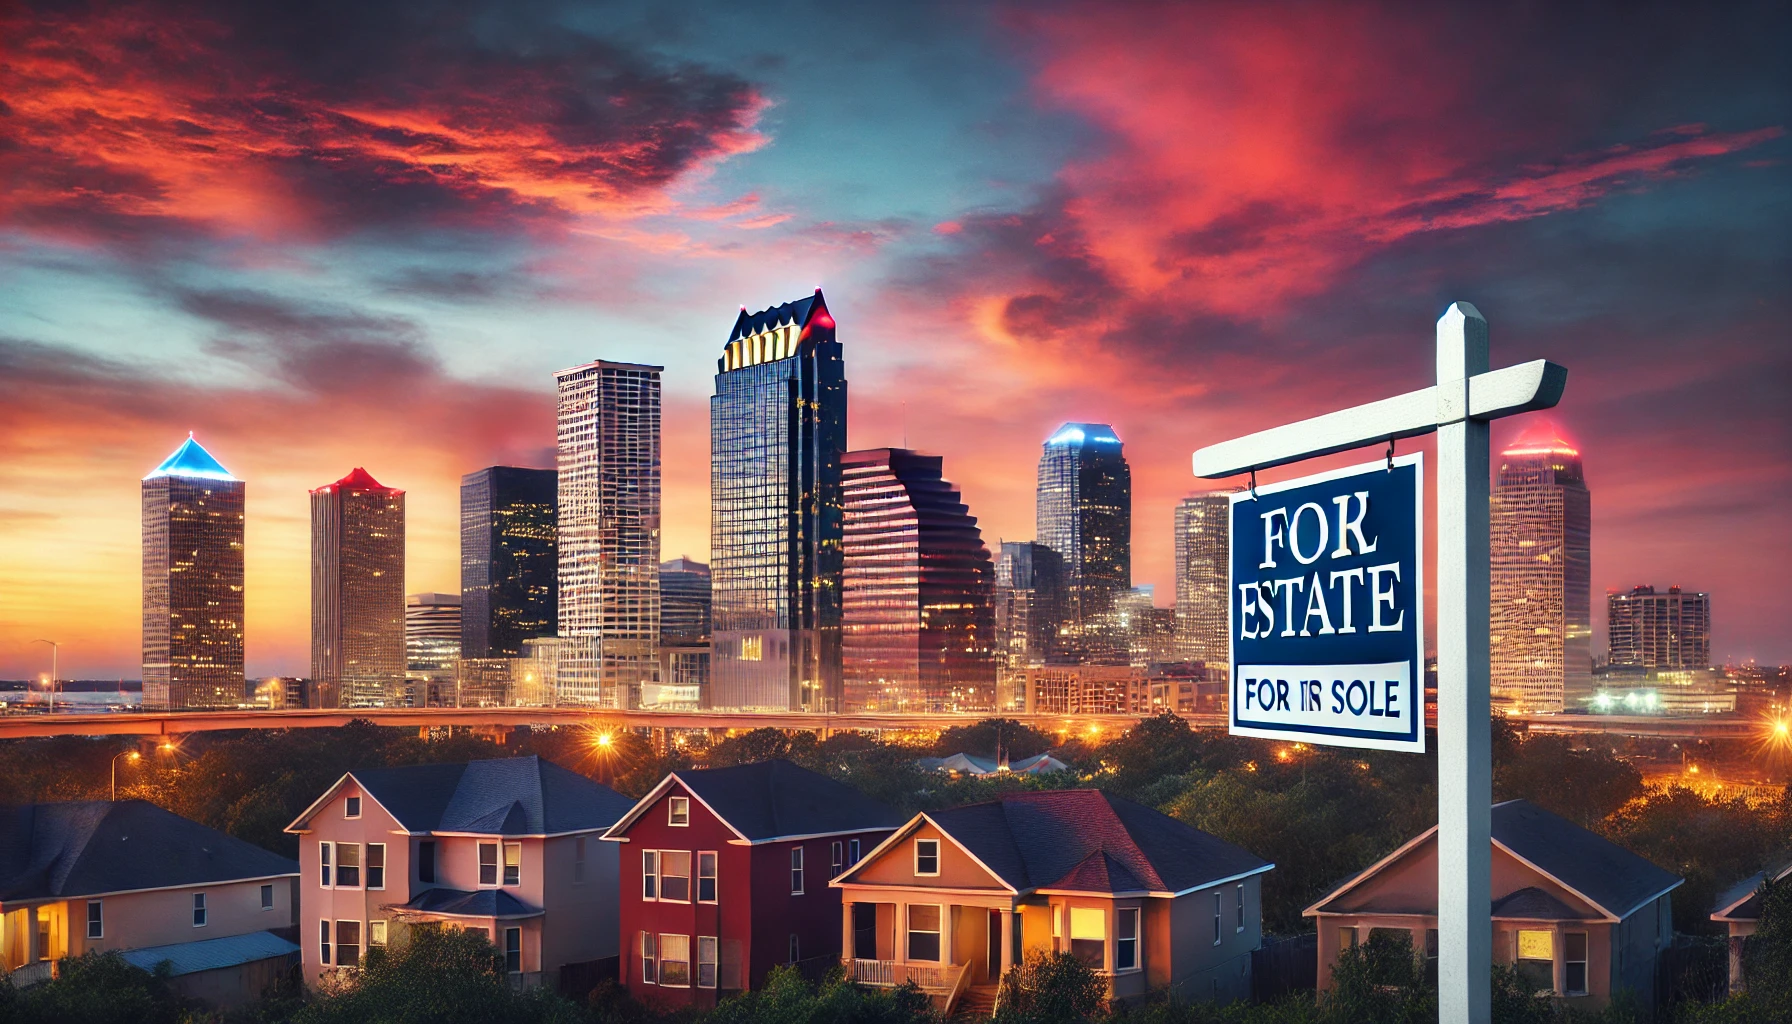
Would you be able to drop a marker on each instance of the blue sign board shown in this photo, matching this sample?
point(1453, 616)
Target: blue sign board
point(1327, 608)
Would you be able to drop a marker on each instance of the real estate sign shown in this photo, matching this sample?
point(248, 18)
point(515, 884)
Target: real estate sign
point(1327, 608)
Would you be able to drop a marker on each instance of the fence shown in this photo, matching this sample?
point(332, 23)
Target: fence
point(1695, 967)
point(1284, 965)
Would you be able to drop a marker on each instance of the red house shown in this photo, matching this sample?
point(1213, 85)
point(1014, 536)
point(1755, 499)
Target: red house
point(725, 875)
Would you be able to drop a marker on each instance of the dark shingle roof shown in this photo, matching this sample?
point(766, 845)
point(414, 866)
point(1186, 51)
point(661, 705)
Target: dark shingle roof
point(748, 324)
point(1612, 877)
point(461, 903)
point(212, 954)
point(1742, 901)
point(96, 846)
point(1086, 840)
point(1533, 904)
point(772, 799)
point(509, 796)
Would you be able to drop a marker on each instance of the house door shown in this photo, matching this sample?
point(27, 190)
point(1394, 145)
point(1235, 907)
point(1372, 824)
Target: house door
point(994, 945)
point(864, 931)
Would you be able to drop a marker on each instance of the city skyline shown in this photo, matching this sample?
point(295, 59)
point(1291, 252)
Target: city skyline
point(1058, 259)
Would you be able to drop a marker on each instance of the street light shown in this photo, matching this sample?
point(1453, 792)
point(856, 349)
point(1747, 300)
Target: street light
point(55, 649)
point(134, 756)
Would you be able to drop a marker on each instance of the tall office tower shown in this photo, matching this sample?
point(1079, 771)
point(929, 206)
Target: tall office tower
point(357, 593)
point(1659, 631)
point(1029, 603)
point(509, 566)
point(1202, 536)
point(777, 429)
point(609, 533)
point(1542, 636)
point(1084, 513)
point(192, 583)
point(431, 648)
point(917, 588)
point(684, 602)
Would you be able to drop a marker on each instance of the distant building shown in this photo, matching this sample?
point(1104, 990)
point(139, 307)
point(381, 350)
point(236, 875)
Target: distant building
point(1148, 631)
point(1659, 631)
point(609, 530)
point(509, 564)
point(1029, 603)
point(357, 593)
point(1203, 539)
point(777, 432)
point(1084, 513)
point(917, 617)
point(1541, 642)
point(684, 602)
point(192, 583)
point(432, 636)
point(1087, 690)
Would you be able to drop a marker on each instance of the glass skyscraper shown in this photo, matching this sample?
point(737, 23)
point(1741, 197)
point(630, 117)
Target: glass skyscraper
point(609, 534)
point(1029, 603)
point(357, 594)
point(917, 618)
point(192, 583)
point(1541, 601)
point(1670, 630)
point(509, 566)
point(777, 432)
point(431, 648)
point(684, 602)
point(1202, 535)
point(1084, 513)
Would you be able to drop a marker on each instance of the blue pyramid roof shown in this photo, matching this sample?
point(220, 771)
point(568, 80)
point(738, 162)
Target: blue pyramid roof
point(193, 461)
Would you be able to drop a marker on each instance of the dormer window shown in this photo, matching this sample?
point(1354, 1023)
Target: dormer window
point(678, 810)
point(927, 856)
point(351, 808)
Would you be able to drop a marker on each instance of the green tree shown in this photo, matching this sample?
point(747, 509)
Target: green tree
point(1051, 988)
point(1016, 740)
point(436, 976)
point(786, 998)
point(96, 988)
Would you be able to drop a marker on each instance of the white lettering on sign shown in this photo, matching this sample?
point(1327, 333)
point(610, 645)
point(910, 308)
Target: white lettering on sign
point(1370, 699)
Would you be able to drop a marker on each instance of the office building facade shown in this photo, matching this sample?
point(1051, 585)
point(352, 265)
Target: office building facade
point(1202, 537)
point(1084, 513)
point(684, 602)
point(609, 532)
point(777, 434)
point(917, 591)
point(509, 561)
point(357, 593)
point(1667, 631)
point(1029, 603)
point(432, 647)
point(1541, 642)
point(192, 583)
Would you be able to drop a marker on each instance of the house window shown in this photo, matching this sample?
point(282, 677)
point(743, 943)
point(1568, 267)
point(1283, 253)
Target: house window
point(852, 851)
point(796, 948)
point(923, 931)
point(96, 922)
point(376, 865)
point(578, 861)
point(267, 897)
point(706, 961)
point(678, 811)
point(376, 934)
point(706, 877)
point(1219, 914)
point(513, 863)
point(650, 874)
point(513, 950)
point(1574, 963)
point(348, 865)
point(1126, 940)
point(1089, 936)
point(351, 808)
point(927, 856)
point(348, 943)
point(675, 877)
point(649, 961)
point(488, 863)
point(323, 942)
point(1346, 938)
point(1536, 960)
point(323, 864)
point(426, 861)
point(1240, 906)
point(675, 961)
point(836, 853)
point(796, 871)
point(199, 910)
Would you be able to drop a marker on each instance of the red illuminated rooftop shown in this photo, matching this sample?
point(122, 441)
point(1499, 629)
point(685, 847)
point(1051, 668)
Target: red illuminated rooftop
point(1540, 438)
point(358, 479)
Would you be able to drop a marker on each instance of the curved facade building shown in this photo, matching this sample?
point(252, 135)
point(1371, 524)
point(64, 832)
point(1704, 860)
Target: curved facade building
point(1541, 643)
point(192, 583)
point(918, 614)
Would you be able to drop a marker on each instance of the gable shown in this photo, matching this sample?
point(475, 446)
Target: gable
point(893, 863)
point(1406, 883)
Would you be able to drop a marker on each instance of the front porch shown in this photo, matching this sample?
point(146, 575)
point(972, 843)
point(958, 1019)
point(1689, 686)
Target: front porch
point(946, 949)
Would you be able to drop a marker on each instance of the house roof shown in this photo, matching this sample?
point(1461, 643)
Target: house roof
point(1742, 901)
point(211, 954)
point(771, 800)
point(1083, 840)
point(1533, 904)
point(462, 903)
point(90, 847)
point(192, 461)
point(512, 796)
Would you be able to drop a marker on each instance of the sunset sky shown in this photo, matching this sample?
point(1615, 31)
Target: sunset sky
point(365, 233)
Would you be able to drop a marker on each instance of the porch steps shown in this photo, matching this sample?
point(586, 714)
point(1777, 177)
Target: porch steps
point(978, 1004)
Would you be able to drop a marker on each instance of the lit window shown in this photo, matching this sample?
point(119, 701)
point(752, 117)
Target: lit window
point(650, 874)
point(923, 932)
point(376, 933)
point(488, 863)
point(1089, 936)
point(678, 810)
point(513, 863)
point(706, 961)
point(1536, 960)
point(1126, 939)
point(927, 856)
point(199, 910)
point(675, 961)
point(348, 943)
point(675, 876)
point(1057, 927)
point(376, 865)
point(796, 871)
point(351, 808)
point(706, 878)
point(96, 924)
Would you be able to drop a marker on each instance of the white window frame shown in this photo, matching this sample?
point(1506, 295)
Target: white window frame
point(678, 811)
point(663, 961)
point(836, 858)
point(367, 866)
point(650, 875)
point(96, 915)
point(360, 943)
point(1586, 978)
point(517, 932)
point(689, 876)
point(1137, 940)
point(376, 933)
point(351, 807)
point(1219, 915)
point(267, 897)
point(326, 863)
point(201, 913)
point(714, 876)
point(852, 851)
point(936, 858)
point(708, 957)
point(650, 959)
point(359, 866)
point(505, 866)
point(1240, 908)
point(939, 933)
point(497, 864)
point(796, 870)
point(326, 940)
point(1106, 938)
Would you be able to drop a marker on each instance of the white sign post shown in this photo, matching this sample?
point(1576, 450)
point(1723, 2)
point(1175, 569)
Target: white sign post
point(1457, 409)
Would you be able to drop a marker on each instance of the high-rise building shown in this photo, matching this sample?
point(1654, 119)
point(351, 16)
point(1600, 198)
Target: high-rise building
point(1029, 603)
point(609, 532)
point(1148, 631)
point(1659, 631)
point(509, 567)
point(1541, 596)
point(1202, 554)
point(684, 602)
point(777, 427)
point(917, 614)
point(192, 583)
point(357, 593)
point(1084, 513)
point(431, 648)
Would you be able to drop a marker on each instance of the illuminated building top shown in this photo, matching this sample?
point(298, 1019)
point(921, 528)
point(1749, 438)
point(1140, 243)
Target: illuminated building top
point(191, 461)
point(1084, 433)
point(774, 334)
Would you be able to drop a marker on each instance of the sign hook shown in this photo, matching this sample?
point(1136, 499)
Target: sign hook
point(1390, 455)
point(1253, 483)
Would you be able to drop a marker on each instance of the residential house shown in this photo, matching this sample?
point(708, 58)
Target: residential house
point(129, 876)
point(1576, 915)
point(955, 898)
point(725, 875)
point(1738, 909)
point(506, 848)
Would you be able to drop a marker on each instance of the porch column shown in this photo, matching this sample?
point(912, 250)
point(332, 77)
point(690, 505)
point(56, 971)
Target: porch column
point(846, 933)
point(948, 915)
point(1007, 940)
point(899, 943)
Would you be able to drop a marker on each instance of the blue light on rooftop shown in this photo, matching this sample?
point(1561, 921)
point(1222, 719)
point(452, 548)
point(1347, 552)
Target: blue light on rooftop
point(1079, 433)
point(192, 462)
